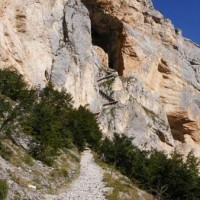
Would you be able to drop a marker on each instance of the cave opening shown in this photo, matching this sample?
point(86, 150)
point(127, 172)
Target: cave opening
point(107, 33)
point(181, 125)
point(177, 129)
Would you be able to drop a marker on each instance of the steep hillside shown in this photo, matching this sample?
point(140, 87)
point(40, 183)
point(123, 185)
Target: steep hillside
point(28, 178)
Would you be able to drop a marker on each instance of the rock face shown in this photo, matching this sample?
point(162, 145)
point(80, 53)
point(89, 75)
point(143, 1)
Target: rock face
point(122, 58)
point(50, 40)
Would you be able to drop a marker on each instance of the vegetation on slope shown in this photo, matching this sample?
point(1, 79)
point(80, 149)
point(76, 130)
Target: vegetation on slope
point(120, 187)
point(47, 115)
point(165, 177)
point(3, 189)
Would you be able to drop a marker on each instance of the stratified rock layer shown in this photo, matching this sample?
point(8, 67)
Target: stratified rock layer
point(122, 58)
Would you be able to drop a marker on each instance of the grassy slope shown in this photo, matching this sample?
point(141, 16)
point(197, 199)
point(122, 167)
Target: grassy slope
point(119, 187)
point(21, 170)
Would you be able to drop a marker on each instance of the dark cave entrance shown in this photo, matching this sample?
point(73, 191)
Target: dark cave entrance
point(107, 33)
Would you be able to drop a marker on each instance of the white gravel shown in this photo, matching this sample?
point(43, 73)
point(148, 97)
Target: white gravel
point(89, 185)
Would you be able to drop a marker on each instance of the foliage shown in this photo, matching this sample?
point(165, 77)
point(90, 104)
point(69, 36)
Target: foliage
point(181, 179)
point(47, 115)
point(3, 189)
point(85, 129)
point(55, 124)
point(12, 84)
point(28, 160)
point(48, 123)
point(5, 152)
point(15, 99)
point(166, 178)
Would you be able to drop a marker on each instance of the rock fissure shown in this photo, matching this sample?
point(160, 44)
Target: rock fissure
point(64, 26)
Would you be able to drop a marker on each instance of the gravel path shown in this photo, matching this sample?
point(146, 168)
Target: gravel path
point(89, 185)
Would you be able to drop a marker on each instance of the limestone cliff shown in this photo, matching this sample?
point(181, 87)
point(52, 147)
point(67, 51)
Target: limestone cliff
point(121, 57)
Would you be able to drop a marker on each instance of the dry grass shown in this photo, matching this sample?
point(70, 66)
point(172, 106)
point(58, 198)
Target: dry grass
point(120, 190)
point(121, 187)
point(25, 170)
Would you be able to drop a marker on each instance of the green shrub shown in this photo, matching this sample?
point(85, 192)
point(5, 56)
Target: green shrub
point(55, 124)
point(181, 178)
point(3, 189)
point(47, 115)
point(167, 178)
point(28, 160)
point(48, 123)
point(12, 84)
point(84, 128)
point(15, 99)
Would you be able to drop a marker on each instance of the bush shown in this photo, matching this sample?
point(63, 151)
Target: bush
point(85, 128)
point(48, 123)
point(48, 115)
point(3, 189)
point(15, 99)
point(166, 178)
point(55, 124)
point(5, 152)
point(181, 178)
point(12, 84)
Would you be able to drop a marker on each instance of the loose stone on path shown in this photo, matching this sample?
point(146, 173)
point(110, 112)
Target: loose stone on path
point(89, 185)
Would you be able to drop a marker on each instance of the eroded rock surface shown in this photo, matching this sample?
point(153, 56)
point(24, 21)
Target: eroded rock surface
point(159, 90)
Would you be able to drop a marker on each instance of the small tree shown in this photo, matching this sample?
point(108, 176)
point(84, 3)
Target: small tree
point(48, 123)
point(85, 128)
point(12, 84)
point(15, 100)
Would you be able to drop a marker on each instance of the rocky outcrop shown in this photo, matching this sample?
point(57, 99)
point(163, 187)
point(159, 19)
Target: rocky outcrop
point(75, 43)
